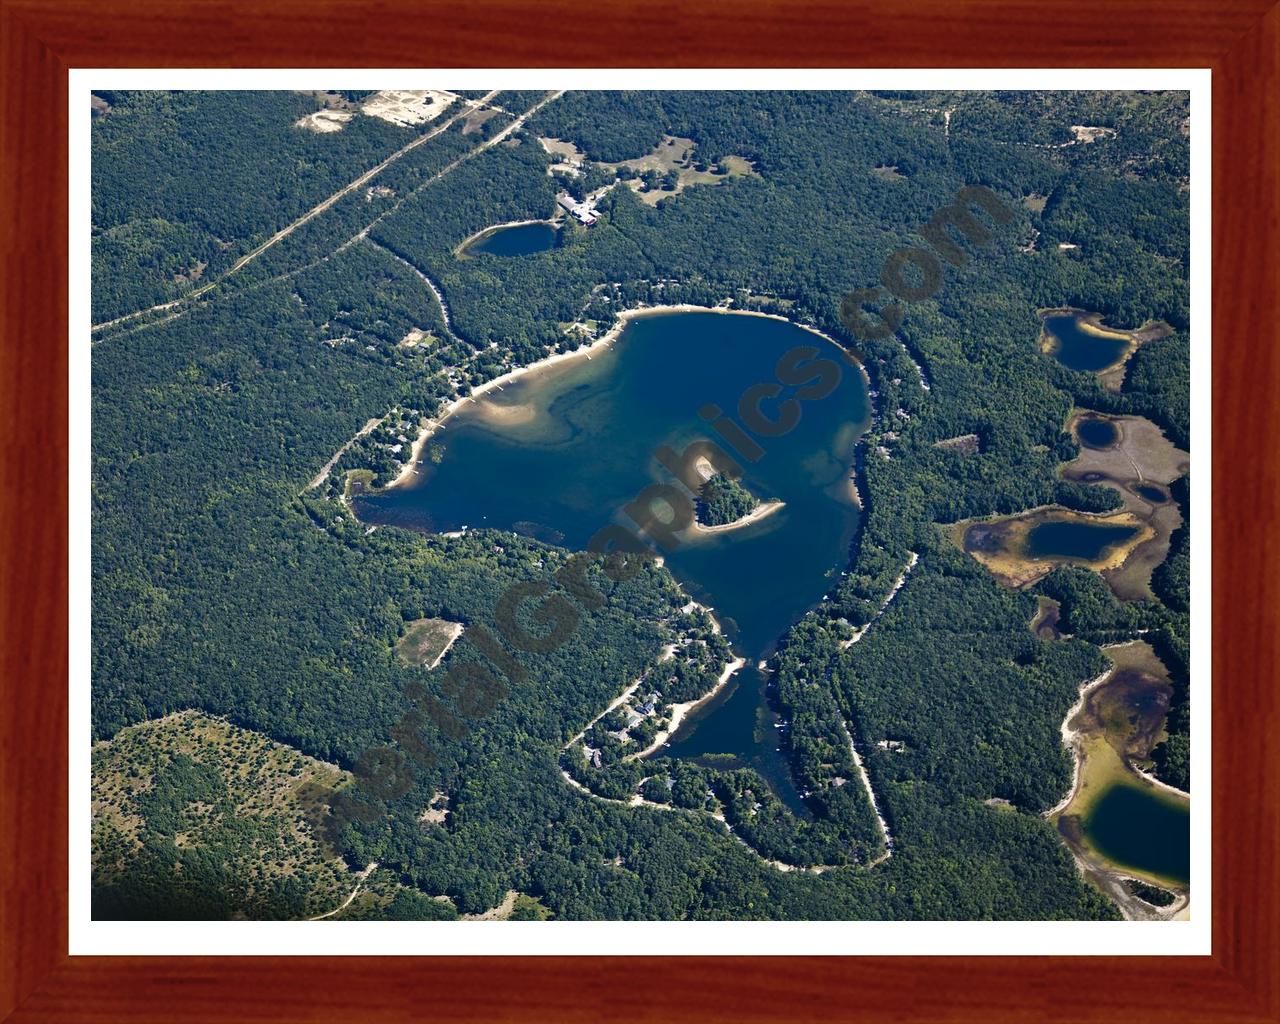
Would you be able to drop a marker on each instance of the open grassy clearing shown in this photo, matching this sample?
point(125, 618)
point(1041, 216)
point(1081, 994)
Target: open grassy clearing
point(678, 156)
point(476, 119)
point(252, 813)
point(425, 641)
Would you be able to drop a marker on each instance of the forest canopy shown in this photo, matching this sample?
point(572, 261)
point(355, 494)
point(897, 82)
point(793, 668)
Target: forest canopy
point(225, 584)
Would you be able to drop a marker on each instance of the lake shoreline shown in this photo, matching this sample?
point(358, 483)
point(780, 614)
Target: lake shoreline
point(624, 318)
point(760, 512)
point(679, 712)
point(460, 250)
point(1111, 376)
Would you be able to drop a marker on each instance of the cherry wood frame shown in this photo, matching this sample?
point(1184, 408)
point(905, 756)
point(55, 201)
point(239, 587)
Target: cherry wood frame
point(41, 39)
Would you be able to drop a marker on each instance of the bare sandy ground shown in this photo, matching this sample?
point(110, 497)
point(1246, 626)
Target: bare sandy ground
point(499, 913)
point(1087, 133)
point(407, 107)
point(454, 633)
point(1141, 456)
point(325, 121)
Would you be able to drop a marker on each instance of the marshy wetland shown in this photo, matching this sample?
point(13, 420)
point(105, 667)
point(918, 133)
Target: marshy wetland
point(1077, 339)
point(1021, 549)
point(1120, 823)
point(1127, 453)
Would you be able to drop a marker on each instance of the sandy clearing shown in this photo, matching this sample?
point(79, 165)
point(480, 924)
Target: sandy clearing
point(499, 913)
point(413, 339)
point(454, 633)
point(407, 107)
point(325, 121)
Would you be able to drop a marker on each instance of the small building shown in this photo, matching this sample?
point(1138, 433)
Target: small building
point(584, 213)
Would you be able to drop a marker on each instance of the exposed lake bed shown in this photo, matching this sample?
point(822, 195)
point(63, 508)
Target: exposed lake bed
point(1024, 548)
point(1131, 455)
point(1119, 822)
point(1141, 463)
point(1078, 340)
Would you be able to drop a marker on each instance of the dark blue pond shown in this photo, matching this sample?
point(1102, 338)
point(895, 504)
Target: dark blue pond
point(518, 240)
point(1097, 433)
point(1086, 541)
point(1078, 349)
point(1142, 829)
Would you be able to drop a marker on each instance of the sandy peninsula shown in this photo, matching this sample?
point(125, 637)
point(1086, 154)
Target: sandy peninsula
point(761, 511)
point(679, 712)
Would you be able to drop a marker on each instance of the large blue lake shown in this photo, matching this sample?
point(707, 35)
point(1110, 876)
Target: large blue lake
point(559, 452)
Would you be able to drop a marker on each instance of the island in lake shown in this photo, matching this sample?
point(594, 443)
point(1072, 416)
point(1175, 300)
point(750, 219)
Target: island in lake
point(563, 504)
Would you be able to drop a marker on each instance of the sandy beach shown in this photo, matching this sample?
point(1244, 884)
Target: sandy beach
point(459, 250)
point(432, 425)
point(584, 352)
point(761, 511)
point(681, 711)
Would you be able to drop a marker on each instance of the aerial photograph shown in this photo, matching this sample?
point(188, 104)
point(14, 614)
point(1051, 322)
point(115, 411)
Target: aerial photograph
point(566, 505)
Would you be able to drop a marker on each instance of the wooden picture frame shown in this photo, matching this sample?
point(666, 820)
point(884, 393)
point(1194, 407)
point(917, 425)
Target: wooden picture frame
point(41, 39)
